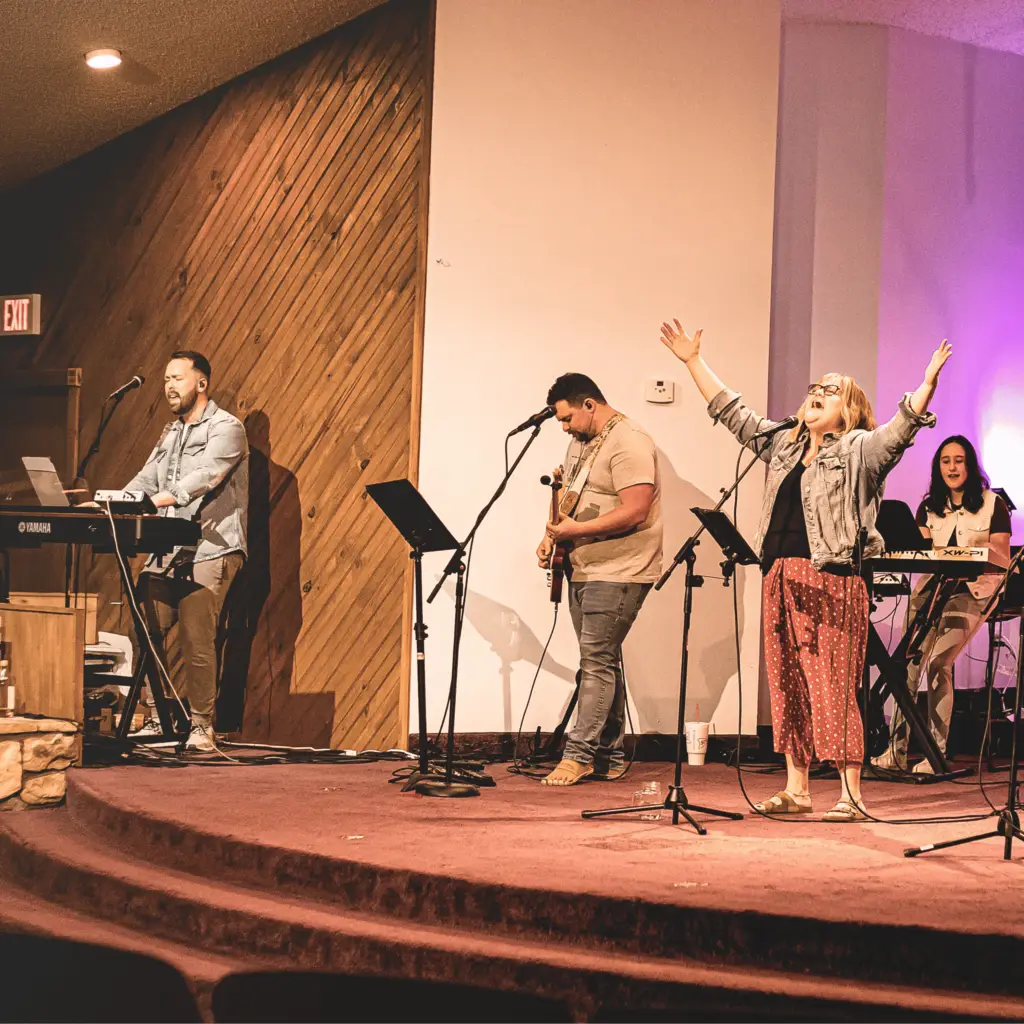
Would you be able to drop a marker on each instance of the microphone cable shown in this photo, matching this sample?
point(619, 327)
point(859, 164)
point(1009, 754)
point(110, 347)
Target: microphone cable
point(516, 767)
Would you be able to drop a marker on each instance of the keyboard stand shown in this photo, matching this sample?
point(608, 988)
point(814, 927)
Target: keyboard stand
point(172, 729)
point(146, 671)
point(892, 676)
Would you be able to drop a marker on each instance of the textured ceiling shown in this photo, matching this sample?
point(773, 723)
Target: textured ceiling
point(53, 108)
point(996, 24)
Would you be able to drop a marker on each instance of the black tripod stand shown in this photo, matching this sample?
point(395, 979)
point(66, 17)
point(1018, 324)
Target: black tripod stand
point(1008, 825)
point(737, 552)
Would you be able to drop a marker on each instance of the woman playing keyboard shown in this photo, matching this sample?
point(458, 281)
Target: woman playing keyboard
point(958, 511)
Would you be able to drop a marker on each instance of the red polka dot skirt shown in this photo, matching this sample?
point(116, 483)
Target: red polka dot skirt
point(815, 638)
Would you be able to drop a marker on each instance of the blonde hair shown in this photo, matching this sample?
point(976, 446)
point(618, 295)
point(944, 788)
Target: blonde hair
point(856, 412)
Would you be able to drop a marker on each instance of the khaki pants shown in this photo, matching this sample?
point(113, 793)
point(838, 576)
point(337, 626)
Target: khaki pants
point(942, 646)
point(195, 603)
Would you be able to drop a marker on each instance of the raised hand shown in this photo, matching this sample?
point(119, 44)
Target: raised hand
point(938, 360)
point(681, 345)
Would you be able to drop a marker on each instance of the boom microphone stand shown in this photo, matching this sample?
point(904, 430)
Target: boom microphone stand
point(737, 551)
point(456, 565)
point(1008, 825)
point(107, 414)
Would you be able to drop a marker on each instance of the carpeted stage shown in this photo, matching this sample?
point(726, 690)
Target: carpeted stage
point(220, 869)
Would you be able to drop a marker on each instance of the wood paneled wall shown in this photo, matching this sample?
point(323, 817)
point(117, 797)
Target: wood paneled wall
point(277, 225)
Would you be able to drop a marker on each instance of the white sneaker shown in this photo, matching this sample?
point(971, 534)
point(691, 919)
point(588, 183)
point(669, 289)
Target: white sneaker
point(150, 727)
point(923, 768)
point(201, 738)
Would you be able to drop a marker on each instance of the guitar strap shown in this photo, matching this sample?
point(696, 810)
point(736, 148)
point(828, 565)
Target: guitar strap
point(581, 471)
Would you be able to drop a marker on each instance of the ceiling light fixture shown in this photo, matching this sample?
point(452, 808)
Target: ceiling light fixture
point(103, 60)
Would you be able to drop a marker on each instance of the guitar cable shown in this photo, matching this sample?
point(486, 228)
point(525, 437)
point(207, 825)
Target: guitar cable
point(516, 767)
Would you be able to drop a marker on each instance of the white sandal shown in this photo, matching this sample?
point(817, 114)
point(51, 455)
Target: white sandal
point(845, 810)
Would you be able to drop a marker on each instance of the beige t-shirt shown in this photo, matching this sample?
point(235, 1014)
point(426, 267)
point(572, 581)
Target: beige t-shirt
point(627, 457)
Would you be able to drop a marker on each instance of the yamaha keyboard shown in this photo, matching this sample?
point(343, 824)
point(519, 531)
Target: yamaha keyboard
point(962, 563)
point(27, 527)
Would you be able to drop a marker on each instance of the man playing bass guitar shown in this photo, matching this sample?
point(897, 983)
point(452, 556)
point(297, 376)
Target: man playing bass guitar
point(610, 508)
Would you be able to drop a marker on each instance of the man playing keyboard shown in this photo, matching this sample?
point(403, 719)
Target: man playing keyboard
point(199, 469)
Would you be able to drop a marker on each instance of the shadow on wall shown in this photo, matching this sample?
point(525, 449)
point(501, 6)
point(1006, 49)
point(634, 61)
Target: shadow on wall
point(653, 649)
point(512, 640)
point(264, 613)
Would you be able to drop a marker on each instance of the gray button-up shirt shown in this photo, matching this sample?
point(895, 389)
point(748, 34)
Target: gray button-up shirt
point(205, 465)
point(841, 489)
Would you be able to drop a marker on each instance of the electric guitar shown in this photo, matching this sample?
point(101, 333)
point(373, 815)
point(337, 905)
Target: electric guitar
point(560, 552)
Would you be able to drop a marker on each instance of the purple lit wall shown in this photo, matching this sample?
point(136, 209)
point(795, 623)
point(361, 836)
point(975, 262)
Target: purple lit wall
point(953, 251)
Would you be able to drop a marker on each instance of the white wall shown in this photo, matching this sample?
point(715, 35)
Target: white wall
point(597, 166)
point(829, 208)
point(954, 261)
point(899, 222)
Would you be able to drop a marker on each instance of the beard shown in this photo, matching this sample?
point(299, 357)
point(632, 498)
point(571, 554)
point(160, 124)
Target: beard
point(186, 403)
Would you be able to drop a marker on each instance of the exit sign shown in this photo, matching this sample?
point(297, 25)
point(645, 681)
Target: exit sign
point(20, 314)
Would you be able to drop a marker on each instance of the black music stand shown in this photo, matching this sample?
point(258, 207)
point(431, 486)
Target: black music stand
point(736, 551)
point(735, 548)
point(898, 527)
point(417, 522)
point(1008, 818)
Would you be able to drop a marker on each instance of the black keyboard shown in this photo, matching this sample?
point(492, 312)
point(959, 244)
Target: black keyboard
point(22, 527)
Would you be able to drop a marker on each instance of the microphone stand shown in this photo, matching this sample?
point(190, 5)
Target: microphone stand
point(456, 565)
point(676, 801)
point(1008, 823)
point(106, 416)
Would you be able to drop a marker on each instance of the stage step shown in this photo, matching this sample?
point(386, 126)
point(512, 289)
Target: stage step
point(894, 954)
point(24, 912)
point(53, 856)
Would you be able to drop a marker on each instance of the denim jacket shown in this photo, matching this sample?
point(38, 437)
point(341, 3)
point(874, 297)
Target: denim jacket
point(842, 487)
point(205, 465)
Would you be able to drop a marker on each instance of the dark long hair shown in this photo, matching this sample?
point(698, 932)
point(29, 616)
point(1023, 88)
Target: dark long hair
point(937, 497)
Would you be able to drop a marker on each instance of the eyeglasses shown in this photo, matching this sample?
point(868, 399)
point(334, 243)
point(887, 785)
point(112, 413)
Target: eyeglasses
point(824, 389)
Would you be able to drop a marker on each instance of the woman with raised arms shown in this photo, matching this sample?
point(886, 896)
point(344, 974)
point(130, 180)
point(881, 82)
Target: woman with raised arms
point(823, 489)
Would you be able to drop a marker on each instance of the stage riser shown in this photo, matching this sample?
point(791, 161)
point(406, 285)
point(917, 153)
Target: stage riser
point(586, 989)
point(872, 953)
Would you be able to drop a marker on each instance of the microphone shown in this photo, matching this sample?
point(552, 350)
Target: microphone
point(786, 424)
point(136, 382)
point(535, 420)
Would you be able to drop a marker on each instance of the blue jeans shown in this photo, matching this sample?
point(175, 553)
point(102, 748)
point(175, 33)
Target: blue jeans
point(602, 614)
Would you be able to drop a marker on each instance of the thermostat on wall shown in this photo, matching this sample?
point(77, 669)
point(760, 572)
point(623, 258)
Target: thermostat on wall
point(661, 392)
